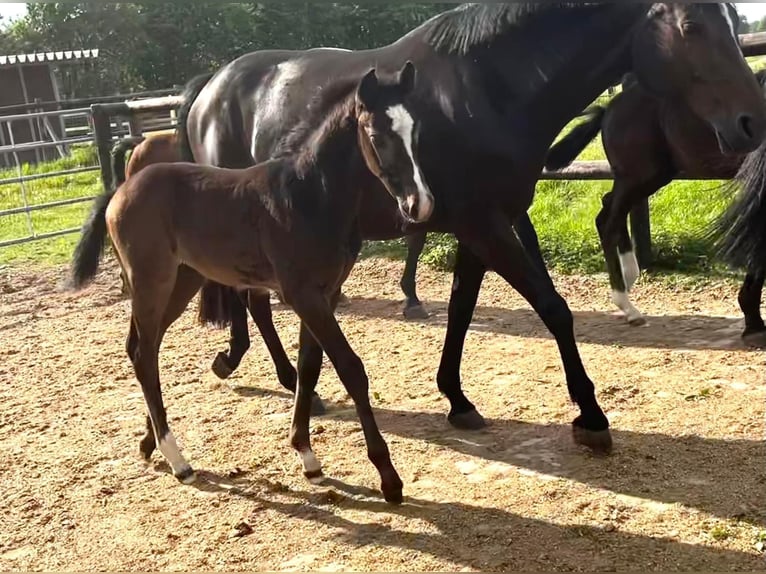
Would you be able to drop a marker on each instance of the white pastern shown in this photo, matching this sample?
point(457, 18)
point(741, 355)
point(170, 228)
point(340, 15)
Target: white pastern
point(622, 301)
point(630, 269)
point(403, 125)
point(169, 449)
point(311, 466)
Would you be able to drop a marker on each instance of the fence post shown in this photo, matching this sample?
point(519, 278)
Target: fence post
point(640, 230)
point(102, 133)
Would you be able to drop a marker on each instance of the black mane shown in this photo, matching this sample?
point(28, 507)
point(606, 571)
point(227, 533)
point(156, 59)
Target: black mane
point(469, 25)
point(324, 110)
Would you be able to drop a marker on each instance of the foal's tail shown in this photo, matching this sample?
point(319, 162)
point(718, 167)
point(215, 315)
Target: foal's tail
point(739, 234)
point(566, 151)
point(87, 254)
point(190, 93)
point(215, 303)
point(119, 151)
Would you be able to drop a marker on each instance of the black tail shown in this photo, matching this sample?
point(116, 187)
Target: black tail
point(215, 304)
point(739, 234)
point(119, 151)
point(566, 151)
point(190, 93)
point(87, 254)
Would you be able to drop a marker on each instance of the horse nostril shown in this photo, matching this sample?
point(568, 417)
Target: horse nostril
point(745, 123)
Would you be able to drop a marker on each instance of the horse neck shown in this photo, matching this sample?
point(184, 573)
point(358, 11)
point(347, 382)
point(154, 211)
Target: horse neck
point(602, 57)
point(328, 166)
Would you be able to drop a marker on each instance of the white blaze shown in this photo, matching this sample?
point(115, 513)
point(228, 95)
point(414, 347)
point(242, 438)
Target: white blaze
point(727, 16)
point(403, 124)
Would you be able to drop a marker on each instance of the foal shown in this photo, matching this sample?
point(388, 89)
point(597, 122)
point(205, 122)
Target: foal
point(288, 224)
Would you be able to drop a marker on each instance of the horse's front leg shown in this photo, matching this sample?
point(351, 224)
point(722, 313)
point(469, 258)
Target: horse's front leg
point(466, 283)
point(316, 313)
point(259, 304)
point(493, 240)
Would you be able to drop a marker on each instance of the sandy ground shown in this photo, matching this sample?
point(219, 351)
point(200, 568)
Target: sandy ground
point(684, 490)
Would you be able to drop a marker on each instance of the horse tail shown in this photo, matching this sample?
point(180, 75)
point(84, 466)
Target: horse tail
point(739, 234)
point(566, 151)
point(87, 254)
point(119, 151)
point(190, 93)
point(215, 302)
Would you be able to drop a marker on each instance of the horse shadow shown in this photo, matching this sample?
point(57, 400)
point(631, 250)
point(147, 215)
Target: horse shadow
point(722, 477)
point(470, 536)
point(689, 332)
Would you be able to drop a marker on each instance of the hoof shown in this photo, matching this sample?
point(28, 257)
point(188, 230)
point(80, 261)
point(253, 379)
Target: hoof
point(600, 442)
point(756, 339)
point(471, 420)
point(637, 322)
point(415, 312)
point(221, 367)
point(394, 496)
point(317, 406)
point(315, 477)
point(186, 475)
point(147, 447)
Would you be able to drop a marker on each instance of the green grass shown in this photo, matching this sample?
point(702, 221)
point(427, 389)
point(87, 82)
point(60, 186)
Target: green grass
point(46, 190)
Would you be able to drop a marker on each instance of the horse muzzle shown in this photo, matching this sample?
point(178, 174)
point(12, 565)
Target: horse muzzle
point(740, 135)
point(418, 206)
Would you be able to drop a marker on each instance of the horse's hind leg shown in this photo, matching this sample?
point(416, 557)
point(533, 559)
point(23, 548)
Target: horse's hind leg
point(413, 307)
point(239, 341)
point(316, 313)
point(750, 303)
point(156, 305)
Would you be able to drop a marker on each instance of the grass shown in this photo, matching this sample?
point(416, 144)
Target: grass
point(563, 212)
point(46, 190)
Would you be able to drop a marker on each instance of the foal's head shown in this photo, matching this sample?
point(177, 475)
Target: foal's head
point(388, 138)
point(690, 52)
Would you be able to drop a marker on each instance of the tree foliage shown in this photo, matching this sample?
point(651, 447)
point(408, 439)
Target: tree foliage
point(156, 45)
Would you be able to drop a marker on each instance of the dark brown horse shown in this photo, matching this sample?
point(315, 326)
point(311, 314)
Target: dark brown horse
point(649, 141)
point(288, 224)
point(498, 83)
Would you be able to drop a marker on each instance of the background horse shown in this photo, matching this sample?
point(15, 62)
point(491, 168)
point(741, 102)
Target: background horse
point(288, 224)
point(498, 84)
point(649, 141)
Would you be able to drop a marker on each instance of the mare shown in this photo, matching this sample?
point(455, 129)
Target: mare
point(498, 83)
point(649, 141)
point(288, 224)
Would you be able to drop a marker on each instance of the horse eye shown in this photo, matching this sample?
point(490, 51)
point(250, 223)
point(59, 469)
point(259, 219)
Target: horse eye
point(690, 28)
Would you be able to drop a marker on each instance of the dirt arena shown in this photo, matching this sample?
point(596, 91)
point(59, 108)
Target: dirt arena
point(684, 490)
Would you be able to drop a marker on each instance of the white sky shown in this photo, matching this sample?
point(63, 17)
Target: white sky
point(753, 10)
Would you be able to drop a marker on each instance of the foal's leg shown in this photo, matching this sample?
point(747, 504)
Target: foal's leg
point(225, 364)
point(259, 304)
point(750, 303)
point(315, 311)
point(500, 249)
point(156, 305)
point(413, 307)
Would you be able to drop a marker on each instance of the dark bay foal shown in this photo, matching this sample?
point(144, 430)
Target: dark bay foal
point(288, 224)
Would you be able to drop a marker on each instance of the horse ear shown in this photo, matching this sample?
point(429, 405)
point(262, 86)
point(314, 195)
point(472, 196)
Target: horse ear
point(367, 92)
point(407, 77)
